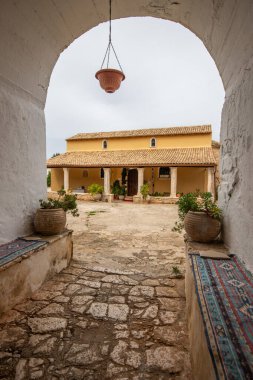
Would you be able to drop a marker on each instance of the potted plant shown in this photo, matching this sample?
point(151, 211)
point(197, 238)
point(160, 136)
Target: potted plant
point(200, 216)
point(122, 193)
point(116, 189)
point(96, 191)
point(50, 218)
point(144, 191)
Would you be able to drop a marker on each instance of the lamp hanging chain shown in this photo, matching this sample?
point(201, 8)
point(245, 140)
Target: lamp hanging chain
point(110, 21)
point(110, 45)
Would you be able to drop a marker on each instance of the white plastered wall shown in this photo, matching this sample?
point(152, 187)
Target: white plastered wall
point(34, 33)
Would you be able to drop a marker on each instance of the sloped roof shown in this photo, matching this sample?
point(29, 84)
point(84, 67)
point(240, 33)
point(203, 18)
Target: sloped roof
point(215, 144)
point(199, 129)
point(142, 157)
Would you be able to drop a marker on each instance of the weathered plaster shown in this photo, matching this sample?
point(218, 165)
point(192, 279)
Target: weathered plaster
point(23, 276)
point(32, 36)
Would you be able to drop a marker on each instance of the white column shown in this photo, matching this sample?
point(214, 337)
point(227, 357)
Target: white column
point(173, 182)
point(210, 180)
point(66, 178)
point(107, 181)
point(140, 179)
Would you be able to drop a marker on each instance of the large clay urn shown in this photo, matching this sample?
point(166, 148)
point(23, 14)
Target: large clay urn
point(110, 79)
point(50, 221)
point(201, 227)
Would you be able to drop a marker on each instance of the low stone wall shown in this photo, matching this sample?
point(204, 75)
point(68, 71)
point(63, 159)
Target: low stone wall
point(80, 196)
point(157, 200)
point(163, 200)
point(202, 366)
point(136, 198)
point(21, 277)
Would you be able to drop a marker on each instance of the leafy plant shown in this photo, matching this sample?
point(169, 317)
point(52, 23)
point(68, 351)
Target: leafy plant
point(122, 190)
point(198, 201)
point(67, 201)
point(95, 188)
point(49, 179)
point(176, 271)
point(116, 188)
point(157, 194)
point(123, 176)
point(145, 190)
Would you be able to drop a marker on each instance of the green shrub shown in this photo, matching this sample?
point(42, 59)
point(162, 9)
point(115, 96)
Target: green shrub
point(95, 188)
point(49, 179)
point(145, 190)
point(67, 201)
point(116, 188)
point(198, 201)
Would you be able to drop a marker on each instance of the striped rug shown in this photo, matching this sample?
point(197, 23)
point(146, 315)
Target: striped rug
point(225, 296)
point(10, 251)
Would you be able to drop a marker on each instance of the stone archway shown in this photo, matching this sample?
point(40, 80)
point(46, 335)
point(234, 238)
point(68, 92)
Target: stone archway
point(32, 36)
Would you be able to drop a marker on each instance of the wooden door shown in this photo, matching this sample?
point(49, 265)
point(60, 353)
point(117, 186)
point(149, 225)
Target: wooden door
point(132, 182)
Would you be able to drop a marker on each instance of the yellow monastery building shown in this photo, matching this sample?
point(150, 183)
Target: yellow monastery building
point(171, 160)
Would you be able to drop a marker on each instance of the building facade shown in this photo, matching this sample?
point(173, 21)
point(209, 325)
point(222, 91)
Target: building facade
point(171, 160)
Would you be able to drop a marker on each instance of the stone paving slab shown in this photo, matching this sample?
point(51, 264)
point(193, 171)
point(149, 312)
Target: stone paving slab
point(93, 322)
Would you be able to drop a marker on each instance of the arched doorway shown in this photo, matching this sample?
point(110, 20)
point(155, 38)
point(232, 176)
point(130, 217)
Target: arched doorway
point(34, 34)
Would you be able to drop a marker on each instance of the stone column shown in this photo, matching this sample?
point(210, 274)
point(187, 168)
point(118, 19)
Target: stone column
point(66, 178)
point(107, 182)
point(173, 182)
point(140, 179)
point(210, 180)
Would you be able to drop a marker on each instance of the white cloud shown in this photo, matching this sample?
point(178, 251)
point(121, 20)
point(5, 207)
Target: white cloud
point(170, 80)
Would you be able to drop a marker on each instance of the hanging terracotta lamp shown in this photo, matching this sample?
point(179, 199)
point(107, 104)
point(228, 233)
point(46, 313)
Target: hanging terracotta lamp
point(110, 79)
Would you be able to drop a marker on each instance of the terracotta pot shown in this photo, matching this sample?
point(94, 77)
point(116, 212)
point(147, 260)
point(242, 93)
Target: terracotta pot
point(110, 79)
point(50, 221)
point(201, 227)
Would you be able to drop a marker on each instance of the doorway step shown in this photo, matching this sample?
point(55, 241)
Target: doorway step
point(128, 198)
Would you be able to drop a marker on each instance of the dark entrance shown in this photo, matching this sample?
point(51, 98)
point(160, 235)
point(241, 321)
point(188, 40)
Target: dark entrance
point(132, 182)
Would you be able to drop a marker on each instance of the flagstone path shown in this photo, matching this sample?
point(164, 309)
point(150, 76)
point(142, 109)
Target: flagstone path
point(117, 312)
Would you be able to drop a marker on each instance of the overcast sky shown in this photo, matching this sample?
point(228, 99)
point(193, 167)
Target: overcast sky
point(171, 80)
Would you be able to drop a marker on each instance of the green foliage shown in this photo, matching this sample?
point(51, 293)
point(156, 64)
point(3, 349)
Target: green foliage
point(49, 179)
point(123, 176)
point(67, 201)
point(198, 201)
point(122, 190)
point(116, 188)
point(95, 188)
point(145, 190)
point(157, 194)
point(176, 271)
point(55, 154)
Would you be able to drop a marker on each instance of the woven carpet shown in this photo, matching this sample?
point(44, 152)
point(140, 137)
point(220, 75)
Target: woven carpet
point(16, 248)
point(225, 296)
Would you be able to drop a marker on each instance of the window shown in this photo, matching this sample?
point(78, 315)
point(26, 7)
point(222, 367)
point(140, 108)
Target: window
point(104, 144)
point(153, 142)
point(85, 173)
point(164, 172)
point(102, 173)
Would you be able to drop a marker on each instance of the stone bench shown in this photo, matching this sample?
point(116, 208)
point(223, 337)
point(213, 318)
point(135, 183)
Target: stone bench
point(217, 286)
point(20, 277)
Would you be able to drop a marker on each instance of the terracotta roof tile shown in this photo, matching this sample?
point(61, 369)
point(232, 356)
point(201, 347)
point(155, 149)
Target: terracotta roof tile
point(199, 129)
point(128, 158)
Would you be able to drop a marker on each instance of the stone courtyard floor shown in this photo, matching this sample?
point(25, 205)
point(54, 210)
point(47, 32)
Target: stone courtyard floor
point(117, 312)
